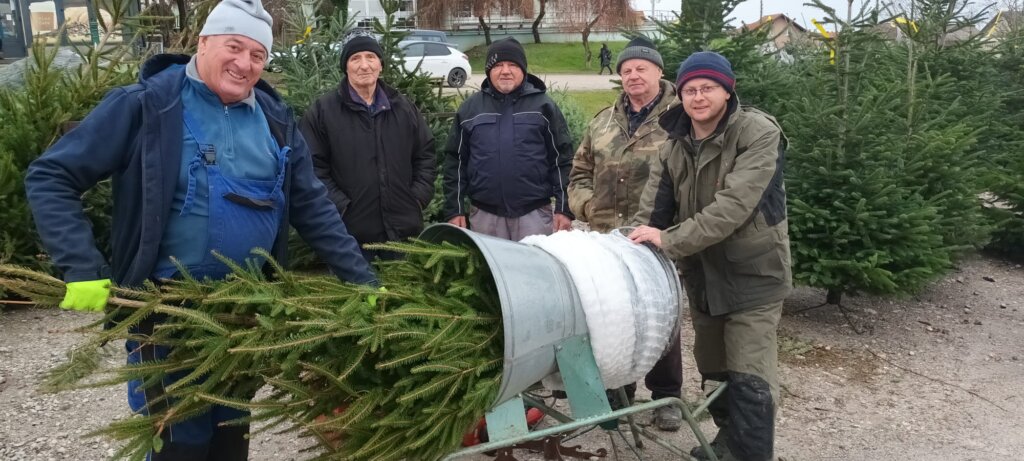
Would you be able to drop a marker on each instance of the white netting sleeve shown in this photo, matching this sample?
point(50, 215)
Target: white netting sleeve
point(628, 301)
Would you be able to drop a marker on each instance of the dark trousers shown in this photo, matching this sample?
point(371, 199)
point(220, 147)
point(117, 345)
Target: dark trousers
point(606, 66)
point(666, 378)
point(227, 444)
point(200, 438)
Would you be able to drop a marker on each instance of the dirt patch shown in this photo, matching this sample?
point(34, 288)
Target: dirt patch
point(857, 365)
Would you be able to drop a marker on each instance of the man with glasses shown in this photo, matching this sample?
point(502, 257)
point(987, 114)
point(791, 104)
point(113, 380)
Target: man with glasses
point(715, 202)
point(609, 172)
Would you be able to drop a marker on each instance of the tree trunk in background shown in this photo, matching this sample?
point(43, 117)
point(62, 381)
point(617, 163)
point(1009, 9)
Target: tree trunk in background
point(486, 28)
point(586, 39)
point(536, 22)
point(182, 13)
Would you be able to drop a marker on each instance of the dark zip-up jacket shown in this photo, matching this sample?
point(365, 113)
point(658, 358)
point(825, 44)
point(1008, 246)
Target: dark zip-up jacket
point(509, 154)
point(379, 169)
point(722, 209)
point(134, 136)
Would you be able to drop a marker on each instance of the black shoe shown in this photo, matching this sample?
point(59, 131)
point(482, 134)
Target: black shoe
point(719, 445)
point(668, 418)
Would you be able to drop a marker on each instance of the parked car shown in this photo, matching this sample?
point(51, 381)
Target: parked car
point(441, 61)
point(426, 35)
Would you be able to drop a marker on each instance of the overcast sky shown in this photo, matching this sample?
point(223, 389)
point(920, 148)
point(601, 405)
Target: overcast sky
point(750, 10)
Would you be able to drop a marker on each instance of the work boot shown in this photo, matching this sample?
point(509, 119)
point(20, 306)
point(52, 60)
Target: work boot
point(719, 445)
point(668, 418)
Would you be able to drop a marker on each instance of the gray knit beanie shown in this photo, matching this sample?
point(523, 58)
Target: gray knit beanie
point(639, 48)
point(241, 17)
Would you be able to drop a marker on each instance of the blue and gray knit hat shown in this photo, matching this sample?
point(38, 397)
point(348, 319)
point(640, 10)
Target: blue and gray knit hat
point(706, 64)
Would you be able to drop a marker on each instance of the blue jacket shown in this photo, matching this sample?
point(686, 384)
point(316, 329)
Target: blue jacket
point(134, 136)
point(509, 154)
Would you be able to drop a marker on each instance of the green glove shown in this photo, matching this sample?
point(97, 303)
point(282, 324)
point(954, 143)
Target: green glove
point(87, 296)
point(372, 299)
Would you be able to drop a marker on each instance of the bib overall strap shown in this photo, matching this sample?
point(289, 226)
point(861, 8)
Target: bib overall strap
point(205, 154)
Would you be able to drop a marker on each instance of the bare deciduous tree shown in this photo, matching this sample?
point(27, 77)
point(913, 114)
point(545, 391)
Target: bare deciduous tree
point(585, 16)
point(434, 13)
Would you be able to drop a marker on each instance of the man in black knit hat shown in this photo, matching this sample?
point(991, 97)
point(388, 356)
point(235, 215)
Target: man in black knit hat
point(508, 154)
point(372, 149)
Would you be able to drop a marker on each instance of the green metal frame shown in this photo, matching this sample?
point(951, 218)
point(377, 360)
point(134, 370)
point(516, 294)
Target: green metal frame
point(506, 423)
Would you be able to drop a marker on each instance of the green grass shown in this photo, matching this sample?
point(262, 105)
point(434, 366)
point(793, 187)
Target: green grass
point(553, 58)
point(593, 101)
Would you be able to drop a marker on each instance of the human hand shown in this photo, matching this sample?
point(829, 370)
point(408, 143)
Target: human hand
point(459, 220)
point(561, 222)
point(646, 234)
point(86, 296)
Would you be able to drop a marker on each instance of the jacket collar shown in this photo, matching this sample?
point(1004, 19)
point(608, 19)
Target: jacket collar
point(165, 74)
point(668, 101)
point(346, 97)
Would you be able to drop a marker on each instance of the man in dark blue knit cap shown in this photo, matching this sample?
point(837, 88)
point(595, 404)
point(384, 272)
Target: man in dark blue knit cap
point(715, 202)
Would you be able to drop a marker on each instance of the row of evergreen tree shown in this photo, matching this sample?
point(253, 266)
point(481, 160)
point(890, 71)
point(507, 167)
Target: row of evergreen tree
point(904, 154)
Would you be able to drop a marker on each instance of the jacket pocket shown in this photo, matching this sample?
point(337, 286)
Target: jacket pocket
point(756, 255)
point(530, 130)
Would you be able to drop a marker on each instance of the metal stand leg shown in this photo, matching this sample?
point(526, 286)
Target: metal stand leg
point(632, 422)
point(506, 424)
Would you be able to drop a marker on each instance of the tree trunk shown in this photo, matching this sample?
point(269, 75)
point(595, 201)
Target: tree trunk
point(586, 40)
point(536, 22)
point(487, 30)
point(834, 296)
point(182, 14)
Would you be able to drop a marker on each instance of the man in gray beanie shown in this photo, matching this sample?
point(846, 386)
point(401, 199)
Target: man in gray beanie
point(609, 172)
point(204, 158)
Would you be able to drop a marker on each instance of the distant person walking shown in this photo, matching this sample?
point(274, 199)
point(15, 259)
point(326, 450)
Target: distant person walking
point(605, 55)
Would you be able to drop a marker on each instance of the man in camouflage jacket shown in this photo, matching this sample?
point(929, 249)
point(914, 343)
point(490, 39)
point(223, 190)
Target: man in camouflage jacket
point(609, 172)
point(715, 202)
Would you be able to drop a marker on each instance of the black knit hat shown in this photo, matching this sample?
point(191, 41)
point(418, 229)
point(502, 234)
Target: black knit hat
point(706, 64)
point(506, 49)
point(639, 48)
point(357, 42)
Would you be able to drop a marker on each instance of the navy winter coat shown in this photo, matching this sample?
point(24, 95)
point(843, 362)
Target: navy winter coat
point(135, 137)
point(509, 154)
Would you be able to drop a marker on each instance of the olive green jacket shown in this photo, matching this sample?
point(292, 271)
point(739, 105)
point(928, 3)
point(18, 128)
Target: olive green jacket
point(610, 167)
point(722, 209)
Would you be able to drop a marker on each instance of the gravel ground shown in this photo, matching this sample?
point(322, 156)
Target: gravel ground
point(937, 376)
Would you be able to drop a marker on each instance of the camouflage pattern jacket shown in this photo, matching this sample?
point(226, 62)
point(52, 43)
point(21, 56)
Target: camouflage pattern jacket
point(721, 206)
point(610, 167)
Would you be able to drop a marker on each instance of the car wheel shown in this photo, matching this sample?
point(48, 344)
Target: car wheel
point(456, 78)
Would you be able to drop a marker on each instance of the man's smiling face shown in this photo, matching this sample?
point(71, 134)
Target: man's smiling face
point(230, 65)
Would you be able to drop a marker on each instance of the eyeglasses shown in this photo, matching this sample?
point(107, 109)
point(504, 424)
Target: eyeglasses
point(691, 92)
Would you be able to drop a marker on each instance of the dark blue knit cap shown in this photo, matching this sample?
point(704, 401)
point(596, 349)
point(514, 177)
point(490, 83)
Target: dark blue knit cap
point(706, 64)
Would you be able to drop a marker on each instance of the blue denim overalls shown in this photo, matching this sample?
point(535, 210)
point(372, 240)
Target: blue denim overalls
point(243, 214)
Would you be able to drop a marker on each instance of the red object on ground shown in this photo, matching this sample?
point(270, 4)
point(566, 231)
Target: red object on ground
point(478, 434)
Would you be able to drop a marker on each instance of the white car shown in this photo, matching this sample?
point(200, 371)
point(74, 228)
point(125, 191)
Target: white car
point(438, 60)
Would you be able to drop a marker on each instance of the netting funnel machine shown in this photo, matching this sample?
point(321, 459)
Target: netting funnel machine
point(582, 312)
